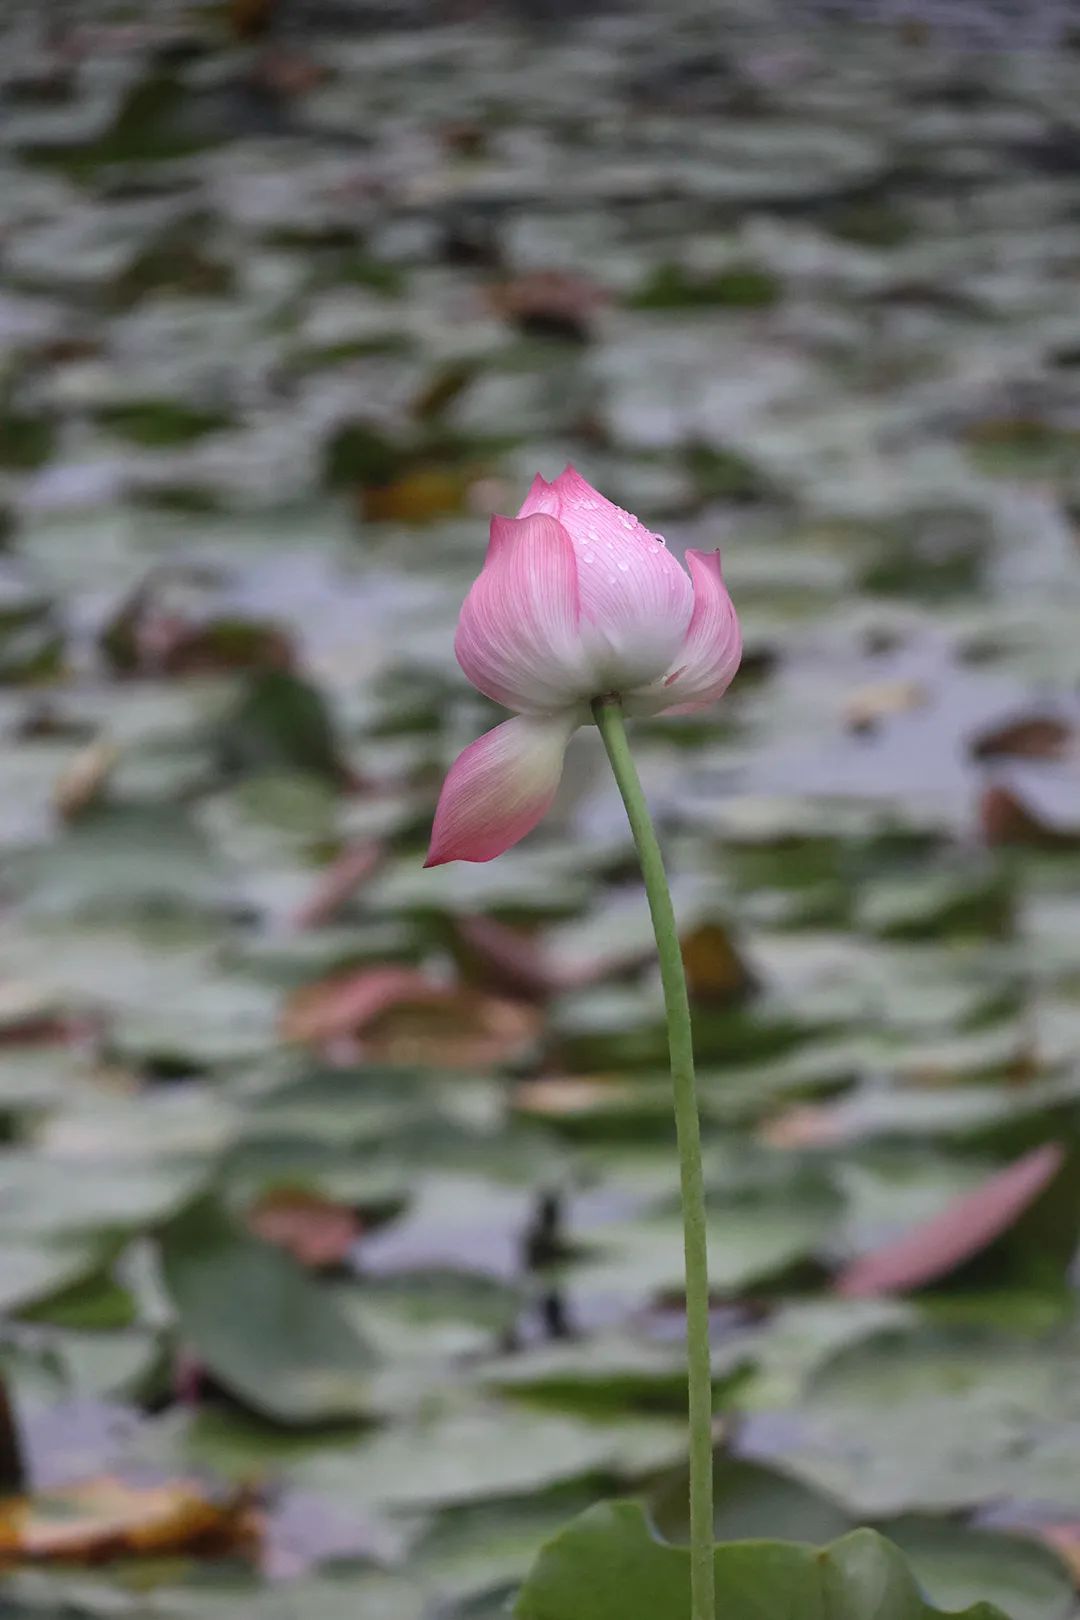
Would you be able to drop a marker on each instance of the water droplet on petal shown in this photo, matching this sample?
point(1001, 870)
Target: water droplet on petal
point(660, 540)
point(624, 568)
point(611, 579)
point(587, 556)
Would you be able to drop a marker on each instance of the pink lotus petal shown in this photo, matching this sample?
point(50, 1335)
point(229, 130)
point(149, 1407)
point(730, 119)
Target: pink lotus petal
point(706, 662)
point(499, 788)
point(964, 1228)
point(539, 499)
point(636, 601)
point(518, 637)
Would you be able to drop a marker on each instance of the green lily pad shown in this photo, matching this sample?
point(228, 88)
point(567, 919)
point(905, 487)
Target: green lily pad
point(955, 1564)
point(755, 1236)
point(61, 1198)
point(338, 1595)
point(933, 1418)
point(268, 1331)
point(281, 722)
point(120, 859)
point(608, 1565)
point(30, 1273)
point(476, 1450)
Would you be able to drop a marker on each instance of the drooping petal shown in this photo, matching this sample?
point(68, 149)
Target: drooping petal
point(706, 662)
point(518, 638)
point(636, 601)
point(499, 787)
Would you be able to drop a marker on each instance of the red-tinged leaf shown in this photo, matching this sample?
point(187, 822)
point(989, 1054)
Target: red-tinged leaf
point(171, 625)
point(507, 958)
point(1038, 736)
point(316, 1231)
point(458, 1029)
point(338, 884)
point(31, 1016)
point(224, 645)
point(967, 1226)
point(1005, 818)
point(346, 1004)
point(396, 1015)
point(549, 303)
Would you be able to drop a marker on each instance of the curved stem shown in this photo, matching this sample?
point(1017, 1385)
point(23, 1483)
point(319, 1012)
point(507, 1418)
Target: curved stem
point(609, 718)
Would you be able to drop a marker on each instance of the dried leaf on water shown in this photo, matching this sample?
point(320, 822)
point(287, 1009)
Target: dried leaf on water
point(103, 1518)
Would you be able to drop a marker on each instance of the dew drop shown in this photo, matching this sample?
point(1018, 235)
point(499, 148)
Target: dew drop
point(660, 540)
point(587, 556)
point(611, 579)
point(624, 568)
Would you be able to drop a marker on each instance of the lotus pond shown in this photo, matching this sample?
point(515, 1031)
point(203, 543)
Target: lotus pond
point(340, 1254)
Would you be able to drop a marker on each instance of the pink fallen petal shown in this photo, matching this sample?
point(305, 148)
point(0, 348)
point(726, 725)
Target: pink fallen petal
point(636, 600)
point(705, 664)
point(967, 1226)
point(518, 638)
point(499, 788)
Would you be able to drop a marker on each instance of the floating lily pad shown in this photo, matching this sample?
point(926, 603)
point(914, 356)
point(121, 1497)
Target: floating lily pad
point(289, 1353)
point(609, 1563)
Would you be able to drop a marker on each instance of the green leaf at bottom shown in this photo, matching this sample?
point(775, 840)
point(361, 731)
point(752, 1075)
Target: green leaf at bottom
point(608, 1565)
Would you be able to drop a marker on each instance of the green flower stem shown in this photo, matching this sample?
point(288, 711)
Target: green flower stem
point(609, 718)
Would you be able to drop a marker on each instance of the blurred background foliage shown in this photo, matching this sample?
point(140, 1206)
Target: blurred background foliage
point(339, 1244)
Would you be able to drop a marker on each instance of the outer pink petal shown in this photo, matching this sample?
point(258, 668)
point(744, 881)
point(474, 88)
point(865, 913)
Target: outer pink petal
point(636, 601)
point(499, 787)
point(706, 662)
point(518, 638)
